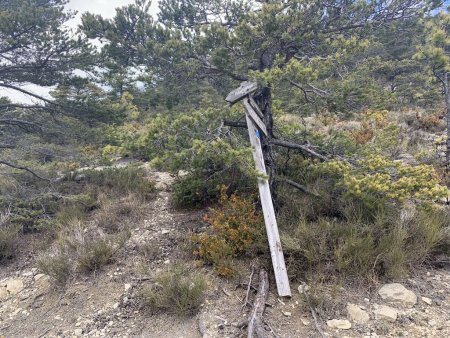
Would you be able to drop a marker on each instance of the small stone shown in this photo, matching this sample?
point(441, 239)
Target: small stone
point(386, 313)
point(356, 314)
point(127, 287)
point(16, 312)
point(116, 305)
point(165, 231)
point(432, 322)
point(78, 332)
point(287, 313)
point(397, 294)
point(341, 324)
point(305, 321)
point(303, 288)
point(427, 300)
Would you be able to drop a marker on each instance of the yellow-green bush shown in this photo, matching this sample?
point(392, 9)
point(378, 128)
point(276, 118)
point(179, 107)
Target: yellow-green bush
point(380, 177)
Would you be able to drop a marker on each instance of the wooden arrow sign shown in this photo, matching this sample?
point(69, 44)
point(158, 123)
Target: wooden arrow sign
point(276, 252)
point(254, 116)
point(241, 92)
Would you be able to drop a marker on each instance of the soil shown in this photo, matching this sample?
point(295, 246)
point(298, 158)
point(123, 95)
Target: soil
point(107, 303)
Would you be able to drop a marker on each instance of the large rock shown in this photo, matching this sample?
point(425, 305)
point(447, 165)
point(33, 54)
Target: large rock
point(14, 286)
point(385, 313)
point(3, 292)
point(356, 314)
point(42, 282)
point(341, 324)
point(396, 293)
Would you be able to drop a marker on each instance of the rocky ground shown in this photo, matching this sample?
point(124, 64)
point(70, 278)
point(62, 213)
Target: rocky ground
point(108, 304)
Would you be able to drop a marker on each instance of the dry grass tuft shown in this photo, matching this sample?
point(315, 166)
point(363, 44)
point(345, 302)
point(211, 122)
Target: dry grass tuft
point(177, 290)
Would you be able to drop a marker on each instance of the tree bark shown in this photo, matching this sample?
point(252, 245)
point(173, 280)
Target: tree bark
point(255, 322)
point(447, 104)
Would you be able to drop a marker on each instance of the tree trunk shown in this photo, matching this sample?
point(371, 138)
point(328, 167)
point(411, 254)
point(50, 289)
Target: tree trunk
point(447, 104)
point(264, 101)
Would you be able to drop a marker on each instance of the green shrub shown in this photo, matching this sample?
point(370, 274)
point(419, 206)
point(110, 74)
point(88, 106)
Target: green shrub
point(128, 179)
point(177, 290)
point(70, 213)
point(212, 165)
point(385, 244)
point(33, 212)
point(9, 235)
point(56, 266)
point(93, 255)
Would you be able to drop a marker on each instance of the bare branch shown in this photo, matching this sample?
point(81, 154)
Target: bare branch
point(305, 92)
point(21, 106)
point(298, 186)
point(235, 124)
point(304, 148)
point(7, 146)
point(20, 123)
point(25, 169)
point(26, 92)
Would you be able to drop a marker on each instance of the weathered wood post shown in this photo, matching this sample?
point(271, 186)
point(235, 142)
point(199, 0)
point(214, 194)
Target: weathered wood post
point(256, 127)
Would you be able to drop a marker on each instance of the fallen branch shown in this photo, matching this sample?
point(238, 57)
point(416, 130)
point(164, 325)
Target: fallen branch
point(248, 288)
point(235, 124)
point(314, 315)
point(302, 147)
point(25, 169)
point(255, 322)
point(297, 185)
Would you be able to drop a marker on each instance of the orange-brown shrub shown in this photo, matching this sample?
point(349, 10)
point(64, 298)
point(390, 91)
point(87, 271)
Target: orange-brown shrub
point(364, 134)
point(429, 122)
point(234, 228)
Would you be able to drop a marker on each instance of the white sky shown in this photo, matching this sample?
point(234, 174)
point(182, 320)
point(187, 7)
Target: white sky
point(105, 8)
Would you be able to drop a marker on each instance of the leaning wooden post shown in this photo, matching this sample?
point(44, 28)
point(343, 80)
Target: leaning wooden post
point(255, 128)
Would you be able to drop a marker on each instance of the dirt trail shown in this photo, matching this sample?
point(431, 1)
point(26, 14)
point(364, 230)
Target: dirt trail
point(107, 303)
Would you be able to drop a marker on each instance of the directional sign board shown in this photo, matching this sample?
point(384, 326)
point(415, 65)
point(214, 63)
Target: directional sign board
point(276, 252)
point(241, 92)
point(254, 116)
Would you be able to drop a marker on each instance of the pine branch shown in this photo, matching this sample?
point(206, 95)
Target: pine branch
point(25, 169)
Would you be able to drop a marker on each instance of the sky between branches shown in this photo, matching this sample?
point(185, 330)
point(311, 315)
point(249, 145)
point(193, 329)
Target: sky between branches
point(105, 8)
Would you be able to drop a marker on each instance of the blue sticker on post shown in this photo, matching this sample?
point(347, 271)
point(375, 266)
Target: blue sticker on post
point(257, 134)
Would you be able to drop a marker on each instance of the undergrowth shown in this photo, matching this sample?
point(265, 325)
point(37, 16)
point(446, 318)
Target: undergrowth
point(235, 229)
point(9, 235)
point(382, 241)
point(176, 290)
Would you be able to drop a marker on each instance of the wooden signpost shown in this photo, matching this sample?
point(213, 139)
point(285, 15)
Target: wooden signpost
point(257, 128)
